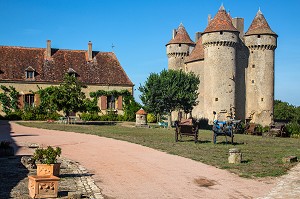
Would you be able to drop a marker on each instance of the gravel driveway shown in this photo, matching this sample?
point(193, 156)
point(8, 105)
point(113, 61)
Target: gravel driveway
point(126, 170)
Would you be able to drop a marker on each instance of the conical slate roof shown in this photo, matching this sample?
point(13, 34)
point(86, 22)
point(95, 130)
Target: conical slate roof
point(197, 53)
point(259, 25)
point(181, 37)
point(221, 22)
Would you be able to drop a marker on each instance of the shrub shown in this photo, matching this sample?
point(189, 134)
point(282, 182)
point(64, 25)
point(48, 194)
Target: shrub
point(14, 115)
point(90, 116)
point(151, 118)
point(47, 156)
point(203, 123)
point(52, 116)
point(110, 116)
point(293, 129)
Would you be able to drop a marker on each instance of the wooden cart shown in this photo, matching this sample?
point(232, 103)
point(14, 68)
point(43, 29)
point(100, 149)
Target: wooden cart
point(186, 127)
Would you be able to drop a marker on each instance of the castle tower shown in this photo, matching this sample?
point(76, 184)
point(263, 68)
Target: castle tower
point(219, 41)
point(179, 48)
point(261, 42)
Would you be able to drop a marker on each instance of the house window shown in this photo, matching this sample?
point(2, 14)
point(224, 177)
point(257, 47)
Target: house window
point(252, 81)
point(29, 74)
point(216, 99)
point(253, 66)
point(111, 102)
point(29, 100)
point(179, 45)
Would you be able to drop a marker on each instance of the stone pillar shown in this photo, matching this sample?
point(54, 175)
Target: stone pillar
point(235, 156)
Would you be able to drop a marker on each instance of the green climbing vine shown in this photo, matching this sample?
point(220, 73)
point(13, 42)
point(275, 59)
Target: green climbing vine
point(9, 99)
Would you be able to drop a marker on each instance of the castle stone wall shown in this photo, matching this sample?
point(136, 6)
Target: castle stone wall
point(197, 67)
point(260, 78)
point(220, 70)
point(176, 55)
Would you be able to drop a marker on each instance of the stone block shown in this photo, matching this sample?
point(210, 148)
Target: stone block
point(74, 195)
point(235, 156)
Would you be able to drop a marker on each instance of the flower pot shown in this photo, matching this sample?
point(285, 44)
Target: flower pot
point(47, 169)
point(43, 186)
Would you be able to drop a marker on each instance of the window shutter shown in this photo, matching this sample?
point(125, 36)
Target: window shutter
point(21, 101)
point(103, 102)
point(120, 103)
point(37, 99)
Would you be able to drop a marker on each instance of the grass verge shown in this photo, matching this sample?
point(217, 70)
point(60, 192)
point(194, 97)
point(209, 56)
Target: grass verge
point(262, 156)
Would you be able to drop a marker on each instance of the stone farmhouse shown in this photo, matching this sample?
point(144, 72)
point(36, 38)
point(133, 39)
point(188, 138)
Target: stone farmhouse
point(236, 69)
point(27, 68)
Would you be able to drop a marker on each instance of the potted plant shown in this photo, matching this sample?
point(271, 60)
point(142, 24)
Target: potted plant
point(6, 149)
point(46, 161)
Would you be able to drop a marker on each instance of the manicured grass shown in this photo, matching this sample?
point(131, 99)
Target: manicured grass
point(262, 156)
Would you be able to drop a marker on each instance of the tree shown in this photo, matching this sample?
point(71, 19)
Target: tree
point(286, 111)
point(9, 99)
point(170, 90)
point(69, 96)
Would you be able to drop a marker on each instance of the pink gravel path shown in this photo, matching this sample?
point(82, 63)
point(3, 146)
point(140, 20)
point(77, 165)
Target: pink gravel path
point(126, 170)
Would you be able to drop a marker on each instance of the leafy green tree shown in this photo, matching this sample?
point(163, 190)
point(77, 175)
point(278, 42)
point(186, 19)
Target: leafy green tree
point(286, 111)
point(9, 99)
point(68, 97)
point(170, 90)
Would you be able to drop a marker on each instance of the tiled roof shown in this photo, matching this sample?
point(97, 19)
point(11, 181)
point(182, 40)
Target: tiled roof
point(141, 112)
point(105, 68)
point(181, 37)
point(221, 22)
point(259, 25)
point(197, 53)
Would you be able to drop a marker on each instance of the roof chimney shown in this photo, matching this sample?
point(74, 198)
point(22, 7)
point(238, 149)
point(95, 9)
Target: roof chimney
point(197, 36)
point(48, 49)
point(208, 18)
point(238, 23)
point(174, 33)
point(90, 51)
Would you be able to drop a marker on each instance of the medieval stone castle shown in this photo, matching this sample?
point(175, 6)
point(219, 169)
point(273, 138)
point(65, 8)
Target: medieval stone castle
point(236, 70)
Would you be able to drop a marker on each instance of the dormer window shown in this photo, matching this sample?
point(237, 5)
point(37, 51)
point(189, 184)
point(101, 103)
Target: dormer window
point(30, 73)
point(72, 72)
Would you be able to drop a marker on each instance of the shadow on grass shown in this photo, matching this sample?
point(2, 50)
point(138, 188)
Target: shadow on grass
point(228, 142)
point(109, 123)
point(192, 140)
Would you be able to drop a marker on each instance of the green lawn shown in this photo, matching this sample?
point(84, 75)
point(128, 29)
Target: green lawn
point(262, 156)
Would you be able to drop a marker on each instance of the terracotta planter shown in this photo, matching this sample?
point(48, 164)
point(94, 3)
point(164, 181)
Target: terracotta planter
point(48, 169)
point(43, 186)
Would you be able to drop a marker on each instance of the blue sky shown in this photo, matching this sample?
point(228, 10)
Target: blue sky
point(140, 29)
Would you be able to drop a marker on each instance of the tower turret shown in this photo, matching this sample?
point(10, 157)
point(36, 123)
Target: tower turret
point(219, 40)
point(261, 42)
point(179, 48)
